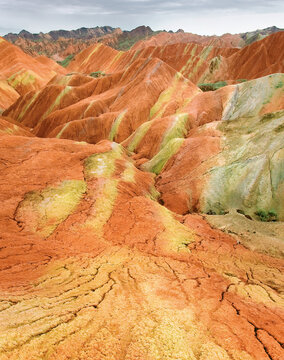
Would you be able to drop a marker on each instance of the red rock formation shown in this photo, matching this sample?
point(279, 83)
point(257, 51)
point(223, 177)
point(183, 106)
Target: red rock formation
point(12, 127)
point(100, 172)
point(261, 58)
point(20, 73)
point(189, 59)
point(121, 267)
point(165, 38)
point(121, 98)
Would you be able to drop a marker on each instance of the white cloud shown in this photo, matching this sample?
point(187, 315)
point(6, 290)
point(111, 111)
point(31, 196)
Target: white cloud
point(199, 16)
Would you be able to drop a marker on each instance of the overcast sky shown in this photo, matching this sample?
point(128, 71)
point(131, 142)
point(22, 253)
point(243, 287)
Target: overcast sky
point(197, 16)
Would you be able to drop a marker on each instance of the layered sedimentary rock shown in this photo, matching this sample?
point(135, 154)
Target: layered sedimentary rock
point(258, 59)
point(20, 73)
point(92, 266)
point(60, 44)
point(233, 154)
point(165, 38)
point(190, 59)
point(142, 218)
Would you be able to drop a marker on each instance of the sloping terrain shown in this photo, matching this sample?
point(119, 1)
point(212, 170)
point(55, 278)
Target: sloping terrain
point(93, 267)
point(191, 60)
point(20, 73)
point(61, 43)
point(167, 38)
point(226, 40)
point(142, 218)
point(258, 59)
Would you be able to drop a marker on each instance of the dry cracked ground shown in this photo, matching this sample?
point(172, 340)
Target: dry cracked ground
point(131, 205)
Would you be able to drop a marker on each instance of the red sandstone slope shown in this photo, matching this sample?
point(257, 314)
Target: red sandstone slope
point(22, 72)
point(189, 59)
point(9, 126)
point(83, 108)
point(196, 62)
point(90, 260)
point(261, 58)
point(94, 265)
point(60, 44)
point(51, 64)
point(165, 38)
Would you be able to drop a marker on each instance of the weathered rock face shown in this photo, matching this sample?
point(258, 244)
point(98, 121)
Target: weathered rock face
point(12, 127)
point(20, 73)
point(93, 267)
point(102, 175)
point(261, 58)
point(190, 59)
point(232, 163)
point(165, 38)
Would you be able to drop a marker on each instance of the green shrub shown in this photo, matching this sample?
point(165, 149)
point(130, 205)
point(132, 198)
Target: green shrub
point(211, 212)
point(270, 215)
point(279, 85)
point(97, 74)
point(66, 61)
point(212, 86)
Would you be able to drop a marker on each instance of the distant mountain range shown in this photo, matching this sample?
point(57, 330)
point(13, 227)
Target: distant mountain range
point(59, 44)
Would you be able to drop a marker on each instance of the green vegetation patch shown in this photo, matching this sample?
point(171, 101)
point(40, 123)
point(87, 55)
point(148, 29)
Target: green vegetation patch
point(264, 215)
point(97, 74)
point(66, 61)
point(212, 86)
point(279, 85)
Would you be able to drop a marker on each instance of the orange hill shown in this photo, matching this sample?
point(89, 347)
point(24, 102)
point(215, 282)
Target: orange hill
point(141, 217)
point(20, 73)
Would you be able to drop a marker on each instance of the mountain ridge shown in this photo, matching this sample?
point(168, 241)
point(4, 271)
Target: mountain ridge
point(58, 44)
